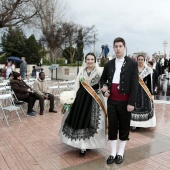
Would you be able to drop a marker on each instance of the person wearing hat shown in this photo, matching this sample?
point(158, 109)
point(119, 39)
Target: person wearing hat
point(23, 92)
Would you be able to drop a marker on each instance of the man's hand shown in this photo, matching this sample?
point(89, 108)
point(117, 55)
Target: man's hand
point(130, 108)
point(46, 96)
point(107, 93)
point(104, 88)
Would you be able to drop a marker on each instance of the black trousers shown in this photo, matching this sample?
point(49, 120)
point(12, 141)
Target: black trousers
point(30, 100)
point(118, 120)
point(41, 101)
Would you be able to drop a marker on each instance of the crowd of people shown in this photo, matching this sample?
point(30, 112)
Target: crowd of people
point(23, 91)
point(127, 84)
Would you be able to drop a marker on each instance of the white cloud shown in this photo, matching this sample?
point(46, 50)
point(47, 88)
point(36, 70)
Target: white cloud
point(145, 24)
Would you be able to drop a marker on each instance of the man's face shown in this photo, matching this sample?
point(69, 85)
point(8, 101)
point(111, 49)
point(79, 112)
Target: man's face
point(42, 76)
point(119, 49)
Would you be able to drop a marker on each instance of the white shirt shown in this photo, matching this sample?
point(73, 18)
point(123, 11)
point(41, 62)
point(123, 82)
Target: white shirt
point(162, 61)
point(154, 65)
point(152, 90)
point(118, 66)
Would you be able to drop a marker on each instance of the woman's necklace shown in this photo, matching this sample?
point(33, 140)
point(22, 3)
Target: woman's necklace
point(140, 68)
point(89, 71)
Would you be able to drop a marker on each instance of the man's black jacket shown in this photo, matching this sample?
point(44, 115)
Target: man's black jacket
point(128, 77)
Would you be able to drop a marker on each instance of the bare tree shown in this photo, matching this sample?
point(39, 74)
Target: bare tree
point(88, 35)
point(78, 37)
point(57, 33)
point(70, 31)
point(50, 23)
point(17, 12)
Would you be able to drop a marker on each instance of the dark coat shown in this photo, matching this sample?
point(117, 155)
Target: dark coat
point(163, 67)
point(169, 65)
point(33, 74)
point(128, 77)
point(20, 88)
point(158, 68)
point(165, 63)
point(154, 79)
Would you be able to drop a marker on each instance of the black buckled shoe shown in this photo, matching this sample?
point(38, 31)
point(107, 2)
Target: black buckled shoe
point(82, 152)
point(110, 159)
point(119, 159)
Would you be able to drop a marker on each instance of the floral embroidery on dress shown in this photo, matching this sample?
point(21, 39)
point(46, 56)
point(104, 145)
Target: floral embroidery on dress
point(88, 132)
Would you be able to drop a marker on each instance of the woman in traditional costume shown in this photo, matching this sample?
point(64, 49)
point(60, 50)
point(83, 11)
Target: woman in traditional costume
point(84, 126)
point(143, 114)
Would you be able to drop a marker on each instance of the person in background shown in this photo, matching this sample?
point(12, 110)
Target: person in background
point(143, 115)
point(40, 87)
point(168, 70)
point(119, 82)
point(157, 65)
point(7, 69)
point(23, 68)
point(23, 92)
point(84, 126)
point(12, 65)
point(154, 78)
point(164, 65)
point(33, 74)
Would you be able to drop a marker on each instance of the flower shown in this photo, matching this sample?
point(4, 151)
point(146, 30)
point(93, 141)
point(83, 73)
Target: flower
point(67, 97)
point(82, 79)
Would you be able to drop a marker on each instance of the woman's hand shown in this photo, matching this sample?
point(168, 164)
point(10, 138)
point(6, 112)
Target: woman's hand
point(107, 93)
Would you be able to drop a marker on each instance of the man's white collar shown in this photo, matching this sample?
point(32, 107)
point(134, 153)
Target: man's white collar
point(121, 59)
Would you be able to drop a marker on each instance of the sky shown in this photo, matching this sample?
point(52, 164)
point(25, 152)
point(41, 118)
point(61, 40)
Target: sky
point(144, 24)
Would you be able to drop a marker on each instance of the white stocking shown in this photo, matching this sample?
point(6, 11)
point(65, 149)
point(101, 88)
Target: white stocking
point(122, 145)
point(113, 144)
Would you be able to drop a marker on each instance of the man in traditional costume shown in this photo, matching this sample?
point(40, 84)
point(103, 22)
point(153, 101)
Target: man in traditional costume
point(119, 83)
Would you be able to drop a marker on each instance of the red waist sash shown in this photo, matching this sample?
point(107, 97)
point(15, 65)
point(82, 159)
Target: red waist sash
point(115, 93)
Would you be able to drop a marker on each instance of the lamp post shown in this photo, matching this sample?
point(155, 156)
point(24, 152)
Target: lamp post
point(79, 43)
point(165, 45)
point(78, 64)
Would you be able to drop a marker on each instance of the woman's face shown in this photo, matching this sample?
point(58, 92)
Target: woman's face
point(141, 61)
point(90, 61)
point(8, 64)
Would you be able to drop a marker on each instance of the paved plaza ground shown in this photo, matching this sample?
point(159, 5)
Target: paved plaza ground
point(34, 144)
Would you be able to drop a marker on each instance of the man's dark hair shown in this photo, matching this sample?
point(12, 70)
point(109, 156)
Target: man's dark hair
point(119, 39)
point(151, 63)
point(41, 73)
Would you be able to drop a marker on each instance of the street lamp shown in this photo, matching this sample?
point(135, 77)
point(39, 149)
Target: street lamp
point(78, 64)
point(79, 42)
